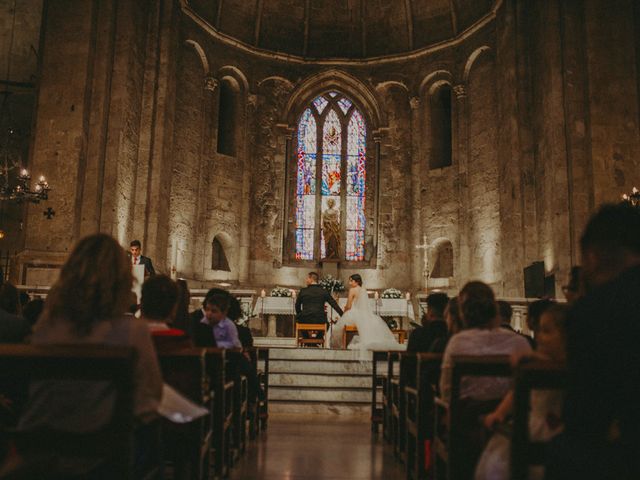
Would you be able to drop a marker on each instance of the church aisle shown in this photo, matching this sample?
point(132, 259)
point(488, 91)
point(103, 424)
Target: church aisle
point(297, 447)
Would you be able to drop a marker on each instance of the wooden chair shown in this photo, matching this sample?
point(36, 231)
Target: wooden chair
point(216, 365)
point(377, 385)
point(21, 365)
point(263, 377)
point(420, 395)
point(188, 444)
point(533, 376)
point(450, 446)
point(348, 333)
point(401, 335)
point(387, 401)
point(308, 327)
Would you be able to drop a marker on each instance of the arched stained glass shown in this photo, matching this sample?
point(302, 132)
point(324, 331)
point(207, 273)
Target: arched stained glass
point(306, 186)
point(331, 180)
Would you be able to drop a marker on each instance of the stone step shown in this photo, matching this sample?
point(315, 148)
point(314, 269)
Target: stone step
point(306, 354)
point(315, 394)
point(319, 380)
point(318, 366)
point(349, 410)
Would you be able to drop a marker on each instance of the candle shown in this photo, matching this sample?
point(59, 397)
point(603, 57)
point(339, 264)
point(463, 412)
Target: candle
point(408, 296)
point(376, 295)
point(293, 293)
point(263, 293)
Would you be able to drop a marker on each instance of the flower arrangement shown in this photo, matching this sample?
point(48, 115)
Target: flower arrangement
point(246, 313)
point(332, 284)
point(391, 293)
point(281, 292)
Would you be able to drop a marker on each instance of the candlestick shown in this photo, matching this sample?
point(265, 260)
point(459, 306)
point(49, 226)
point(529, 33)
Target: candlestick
point(376, 295)
point(263, 293)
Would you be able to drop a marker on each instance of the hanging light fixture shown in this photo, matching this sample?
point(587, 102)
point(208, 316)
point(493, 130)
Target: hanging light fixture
point(15, 180)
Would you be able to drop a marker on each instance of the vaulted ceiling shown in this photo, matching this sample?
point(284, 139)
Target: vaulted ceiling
point(352, 29)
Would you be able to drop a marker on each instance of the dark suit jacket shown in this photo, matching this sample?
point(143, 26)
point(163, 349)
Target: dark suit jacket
point(603, 363)
point(422, 338)
point(310, 304)
point(13, 329)
point(148, 266)
point(201, 333)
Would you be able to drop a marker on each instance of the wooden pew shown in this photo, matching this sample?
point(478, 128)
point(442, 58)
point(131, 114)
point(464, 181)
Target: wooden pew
point(240, 403)
point(378, 381)
point(420, 395)
point(538, 375)
point(216, 365)
point(263, 377)
point(188, 445)
point(387, 401)
point(449, 443)
point(22, 364)
point(407, 362)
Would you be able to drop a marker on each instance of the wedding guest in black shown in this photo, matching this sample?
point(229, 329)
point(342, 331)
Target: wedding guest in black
point(573, 289)
point(311, 300)
point(505, 313)
point(433, 324)
point(602, 404)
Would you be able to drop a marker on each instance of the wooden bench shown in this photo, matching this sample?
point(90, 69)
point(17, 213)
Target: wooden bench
point(538, 375)
point(240, 403)
point(310, 327)
point(420, 395)
point(20, 365)
point(449, 443)
point(188, 444)
point(263, 378)
point(387, 401)
point(378, 381)
point(407, 362)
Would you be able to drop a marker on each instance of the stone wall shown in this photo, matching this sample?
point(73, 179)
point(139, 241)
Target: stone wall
point(545, 127)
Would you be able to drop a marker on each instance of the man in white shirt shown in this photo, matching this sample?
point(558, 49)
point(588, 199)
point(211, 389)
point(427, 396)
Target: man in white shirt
point(135, 254)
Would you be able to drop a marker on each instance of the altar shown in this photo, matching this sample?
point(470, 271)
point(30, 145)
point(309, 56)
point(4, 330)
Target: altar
point(280, 312)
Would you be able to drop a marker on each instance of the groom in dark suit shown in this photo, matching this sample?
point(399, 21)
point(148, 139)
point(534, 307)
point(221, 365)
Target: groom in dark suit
point(311, 300)
point(135, 250)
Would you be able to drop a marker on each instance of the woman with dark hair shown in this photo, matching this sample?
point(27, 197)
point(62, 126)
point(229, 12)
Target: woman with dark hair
point(373, 332)
point(88, 305)
point(181, 320)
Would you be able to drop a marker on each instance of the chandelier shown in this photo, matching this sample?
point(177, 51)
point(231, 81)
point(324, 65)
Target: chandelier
point(633, 198)
point(15, 180)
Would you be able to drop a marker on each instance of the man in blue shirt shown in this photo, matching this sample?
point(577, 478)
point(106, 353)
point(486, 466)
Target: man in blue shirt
point(224, 330)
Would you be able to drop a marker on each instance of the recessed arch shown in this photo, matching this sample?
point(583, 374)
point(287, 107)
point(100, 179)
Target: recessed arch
point(237, 75)
point(435, 78)
point(221, 247)
point(201, 53)
point(441, 259)
point(472, 60)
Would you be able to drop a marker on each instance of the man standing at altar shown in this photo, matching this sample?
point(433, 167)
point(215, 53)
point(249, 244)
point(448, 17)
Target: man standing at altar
point(135, 254)
point(311, 300)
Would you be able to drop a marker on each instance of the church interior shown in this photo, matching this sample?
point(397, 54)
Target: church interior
point(436, 159)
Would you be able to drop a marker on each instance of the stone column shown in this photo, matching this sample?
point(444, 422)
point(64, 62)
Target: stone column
point(461, 143)
point(416, 187)
point(243, 257)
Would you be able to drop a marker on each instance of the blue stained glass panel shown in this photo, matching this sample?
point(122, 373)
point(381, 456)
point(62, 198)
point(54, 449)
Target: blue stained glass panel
point(355, 245)
point(320, 103)
point(356, 184)
point(306, 186)
point(304, 244)
point(344, 105)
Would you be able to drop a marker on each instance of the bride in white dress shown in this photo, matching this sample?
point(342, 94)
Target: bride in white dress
point(373, 332)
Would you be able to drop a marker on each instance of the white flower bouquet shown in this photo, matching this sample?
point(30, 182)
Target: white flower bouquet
point(331, 284)
point(391, 293)
point(281, 292)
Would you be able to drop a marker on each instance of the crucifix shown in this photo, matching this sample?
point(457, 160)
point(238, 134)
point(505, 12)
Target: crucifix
point(425, 272)
point(49, 213)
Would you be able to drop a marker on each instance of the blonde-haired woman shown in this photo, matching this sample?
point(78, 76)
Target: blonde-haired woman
point(87, 305)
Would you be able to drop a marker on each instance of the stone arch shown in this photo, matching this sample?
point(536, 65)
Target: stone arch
point(472, 60)
point(440, 109)
point(340, 81)
point(237, 74)
point(442, 259)
point(276, 78)
point(435, 78)
point(220, 245)
point(201, 53)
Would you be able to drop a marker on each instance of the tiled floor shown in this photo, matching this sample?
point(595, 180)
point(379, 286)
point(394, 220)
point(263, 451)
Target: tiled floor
point(317, 447)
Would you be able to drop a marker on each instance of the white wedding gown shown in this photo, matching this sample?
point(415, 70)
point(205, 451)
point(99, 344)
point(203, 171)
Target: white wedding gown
point(373, 332)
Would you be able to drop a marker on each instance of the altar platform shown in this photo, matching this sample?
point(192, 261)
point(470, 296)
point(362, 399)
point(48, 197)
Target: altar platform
point(319, 381)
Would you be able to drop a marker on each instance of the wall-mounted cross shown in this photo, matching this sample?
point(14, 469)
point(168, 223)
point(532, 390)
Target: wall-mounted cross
point(49, 213)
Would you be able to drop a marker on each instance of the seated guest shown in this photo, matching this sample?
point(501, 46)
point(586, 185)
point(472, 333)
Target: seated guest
point(223, 332)
point(481, 337)
point(534, 313)
point(546, 405)
point(158, 306)
point(602, 405)
point(87, 305)
point(454, 325)
point(13, 328)
point(198, 329)
point(505, 312)
point(433, 325)
point(32, 311)
point(181, 317)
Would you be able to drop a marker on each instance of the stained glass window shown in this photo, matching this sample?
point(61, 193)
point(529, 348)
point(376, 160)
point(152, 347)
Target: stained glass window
point(331, 176)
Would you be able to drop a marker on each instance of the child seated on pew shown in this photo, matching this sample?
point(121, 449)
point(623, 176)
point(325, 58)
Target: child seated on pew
point(546, 406)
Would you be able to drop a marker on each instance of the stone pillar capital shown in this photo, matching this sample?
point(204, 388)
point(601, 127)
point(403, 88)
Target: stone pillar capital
point(210, 84)
point(252, 100)
point(414, 102)
point(460, 90)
